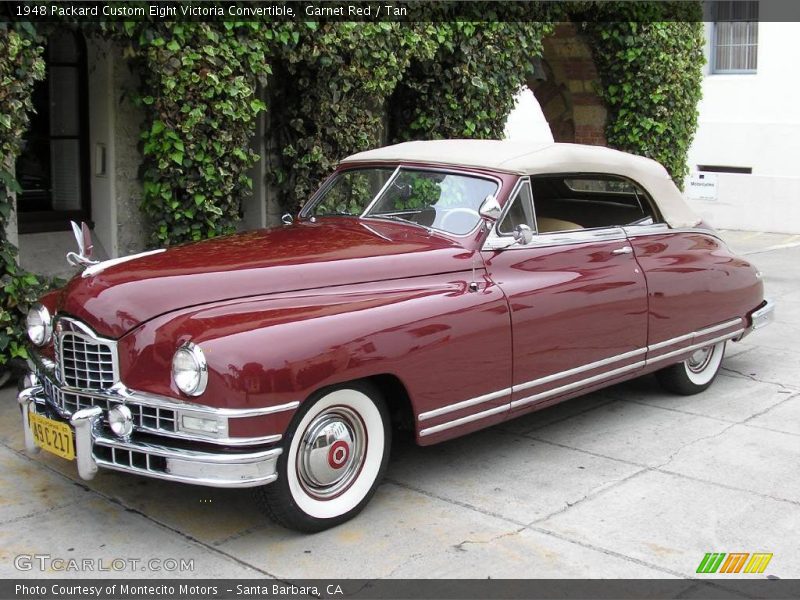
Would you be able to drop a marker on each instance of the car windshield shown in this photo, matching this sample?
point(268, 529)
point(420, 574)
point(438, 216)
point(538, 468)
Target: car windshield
point(445, 201)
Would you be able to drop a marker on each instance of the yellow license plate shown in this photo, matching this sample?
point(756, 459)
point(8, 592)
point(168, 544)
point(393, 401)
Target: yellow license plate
point(53, 436)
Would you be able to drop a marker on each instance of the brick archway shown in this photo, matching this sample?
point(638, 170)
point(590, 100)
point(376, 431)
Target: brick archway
point(565, 88)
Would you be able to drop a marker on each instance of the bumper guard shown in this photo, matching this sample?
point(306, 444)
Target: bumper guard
point(763, 316)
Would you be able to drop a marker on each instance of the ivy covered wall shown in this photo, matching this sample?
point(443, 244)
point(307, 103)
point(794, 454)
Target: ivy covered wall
point(651, 81)
point(329, 92)
point(21, 66)
point(199, 84)
point(332, 89)
point(467, 88)
point(336, 88)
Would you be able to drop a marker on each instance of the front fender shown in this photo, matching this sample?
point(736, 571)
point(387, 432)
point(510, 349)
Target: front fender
point(444, 342)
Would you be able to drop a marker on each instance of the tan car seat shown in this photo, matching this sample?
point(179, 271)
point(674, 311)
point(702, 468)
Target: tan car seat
point(547, 225)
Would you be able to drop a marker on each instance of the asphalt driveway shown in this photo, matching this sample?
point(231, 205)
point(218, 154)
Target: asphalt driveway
point(629, 482)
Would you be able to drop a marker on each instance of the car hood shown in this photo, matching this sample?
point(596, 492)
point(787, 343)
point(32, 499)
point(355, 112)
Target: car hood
point(332, 251)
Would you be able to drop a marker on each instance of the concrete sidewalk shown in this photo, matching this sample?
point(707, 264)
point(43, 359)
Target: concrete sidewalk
point(629, 482)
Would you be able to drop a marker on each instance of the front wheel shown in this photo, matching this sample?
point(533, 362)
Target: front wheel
point(334, 456)
point(694, 374)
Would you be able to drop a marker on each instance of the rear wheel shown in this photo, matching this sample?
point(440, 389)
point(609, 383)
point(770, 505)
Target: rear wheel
point(334, 456)
point(694, 374)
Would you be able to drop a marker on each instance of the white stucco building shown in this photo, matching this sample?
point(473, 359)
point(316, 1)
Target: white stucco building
point(745, 158)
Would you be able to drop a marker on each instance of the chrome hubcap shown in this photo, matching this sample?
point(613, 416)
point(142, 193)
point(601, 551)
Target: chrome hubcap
point(331, 452)
point(699, 360)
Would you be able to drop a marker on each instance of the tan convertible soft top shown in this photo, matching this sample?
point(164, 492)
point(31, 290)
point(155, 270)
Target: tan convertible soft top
point(529, 158)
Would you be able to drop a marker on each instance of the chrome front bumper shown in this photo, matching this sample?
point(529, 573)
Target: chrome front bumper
point(95, 449)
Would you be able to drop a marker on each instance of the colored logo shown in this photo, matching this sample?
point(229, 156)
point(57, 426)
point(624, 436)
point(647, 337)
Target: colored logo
point(734, 562)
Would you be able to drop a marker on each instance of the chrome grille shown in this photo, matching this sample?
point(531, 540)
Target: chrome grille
point(148, 418)
point(130, 459)
point(85, 363)
point(153, 417)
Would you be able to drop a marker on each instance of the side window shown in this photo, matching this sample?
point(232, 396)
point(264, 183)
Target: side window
point(583, 201)
point(520, 212)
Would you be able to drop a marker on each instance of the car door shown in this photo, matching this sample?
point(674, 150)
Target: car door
point(578, 303)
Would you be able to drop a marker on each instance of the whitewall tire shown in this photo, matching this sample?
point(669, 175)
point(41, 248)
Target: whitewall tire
point(694, 374)
point(334, 456)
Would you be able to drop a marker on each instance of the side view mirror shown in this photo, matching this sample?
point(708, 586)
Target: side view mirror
point(287, 219)
point(83, 237)
point(490, 209)
point(523, 235)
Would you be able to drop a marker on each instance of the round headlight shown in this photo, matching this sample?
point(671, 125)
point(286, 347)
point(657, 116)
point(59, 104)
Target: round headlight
point(120, 419)
point(39, 325)
point(189, 369)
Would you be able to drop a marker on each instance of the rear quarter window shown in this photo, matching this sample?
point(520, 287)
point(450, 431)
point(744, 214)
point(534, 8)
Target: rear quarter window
point(590, 201)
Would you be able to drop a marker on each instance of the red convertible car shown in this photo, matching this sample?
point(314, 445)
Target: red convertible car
point(441, 287)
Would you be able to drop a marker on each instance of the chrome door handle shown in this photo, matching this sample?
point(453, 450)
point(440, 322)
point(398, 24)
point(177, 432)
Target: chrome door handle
point(623, 250)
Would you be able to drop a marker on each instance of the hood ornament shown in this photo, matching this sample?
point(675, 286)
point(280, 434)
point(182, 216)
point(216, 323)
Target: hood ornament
point(83, 236)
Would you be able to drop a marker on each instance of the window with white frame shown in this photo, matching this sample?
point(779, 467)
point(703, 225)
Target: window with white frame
point(735, 41)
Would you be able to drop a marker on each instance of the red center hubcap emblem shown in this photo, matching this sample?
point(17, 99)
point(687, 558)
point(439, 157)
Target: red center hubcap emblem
point(338, 454)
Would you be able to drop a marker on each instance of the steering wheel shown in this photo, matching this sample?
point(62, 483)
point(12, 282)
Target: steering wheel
point(466, 217)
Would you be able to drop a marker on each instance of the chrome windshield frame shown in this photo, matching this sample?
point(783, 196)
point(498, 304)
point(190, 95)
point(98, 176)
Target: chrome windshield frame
point(320, 193)
point(399, 168)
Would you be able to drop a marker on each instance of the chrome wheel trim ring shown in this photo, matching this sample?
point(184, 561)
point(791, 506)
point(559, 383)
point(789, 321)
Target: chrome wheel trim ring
point(331, 452)
point(700, 359)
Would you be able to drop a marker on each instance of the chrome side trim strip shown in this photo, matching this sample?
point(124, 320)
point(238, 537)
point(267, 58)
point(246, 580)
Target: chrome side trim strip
point(231, 413)
point(671, 341)
point(694, 334)
point(720, 327)
point(696, 346)
point(634, 231)
point(465, 404)
point(701, 231)
point(545, 240)
point(220, 441)
point(577, 384)
point(580, 236)
point(642, 230)
point(581, 369)
point(463, 420)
